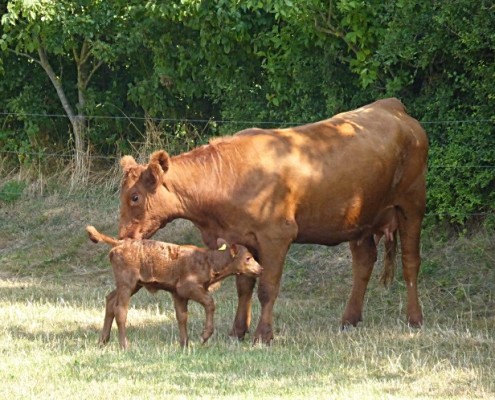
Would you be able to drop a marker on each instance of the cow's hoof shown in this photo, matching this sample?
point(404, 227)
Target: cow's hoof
point(350, 320)
point(238, 334)
point(263, 335)
point(347, 328)
point(415, 322)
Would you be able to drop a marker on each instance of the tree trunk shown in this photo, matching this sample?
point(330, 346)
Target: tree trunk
point(78, 122)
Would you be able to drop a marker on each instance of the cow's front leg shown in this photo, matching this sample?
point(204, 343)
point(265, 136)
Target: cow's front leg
point(272, 257)
point(245, 286)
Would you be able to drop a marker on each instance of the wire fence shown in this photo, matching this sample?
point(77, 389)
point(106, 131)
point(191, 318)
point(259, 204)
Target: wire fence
point(93, 195)
point(68, 155)
point(219, 121)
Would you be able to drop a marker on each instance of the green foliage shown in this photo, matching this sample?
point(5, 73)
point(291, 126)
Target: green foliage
point(461, 178)
point(11, 191)
point(259, 61)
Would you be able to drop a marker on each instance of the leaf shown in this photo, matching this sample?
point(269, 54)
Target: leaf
point(351, 37)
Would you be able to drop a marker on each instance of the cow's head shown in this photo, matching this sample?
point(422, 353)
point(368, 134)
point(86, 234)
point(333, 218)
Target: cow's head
point(145, 203)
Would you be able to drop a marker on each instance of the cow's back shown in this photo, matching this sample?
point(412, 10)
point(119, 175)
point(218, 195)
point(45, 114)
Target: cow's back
point(334, 175)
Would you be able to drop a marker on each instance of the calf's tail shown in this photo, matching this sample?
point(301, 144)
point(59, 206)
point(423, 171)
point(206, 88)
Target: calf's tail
point(389, 261)
point(96, 237)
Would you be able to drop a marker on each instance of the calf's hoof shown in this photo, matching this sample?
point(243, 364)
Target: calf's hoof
point(205, 336)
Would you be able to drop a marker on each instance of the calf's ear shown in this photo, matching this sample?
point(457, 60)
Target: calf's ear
point(221, 244)
point(161, 158)
point(234, 249)
point(127, 162)
point(152, 176)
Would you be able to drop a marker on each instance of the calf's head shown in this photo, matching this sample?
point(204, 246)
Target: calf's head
point(146, 204)
point(243, 261)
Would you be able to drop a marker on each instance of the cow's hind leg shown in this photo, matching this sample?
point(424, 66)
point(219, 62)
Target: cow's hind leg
point(409, 232)
point(363, 259)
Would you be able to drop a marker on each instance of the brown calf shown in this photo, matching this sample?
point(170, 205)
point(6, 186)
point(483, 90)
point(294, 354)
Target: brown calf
point(185, 271)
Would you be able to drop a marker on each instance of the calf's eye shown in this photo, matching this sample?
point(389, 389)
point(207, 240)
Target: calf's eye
point(248, 259)
point(134, 198)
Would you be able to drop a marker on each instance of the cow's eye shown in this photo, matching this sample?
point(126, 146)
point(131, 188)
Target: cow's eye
point(134, 198)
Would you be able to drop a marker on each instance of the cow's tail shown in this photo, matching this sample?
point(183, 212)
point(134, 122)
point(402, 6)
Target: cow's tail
point(389, 261)
point(96, 237)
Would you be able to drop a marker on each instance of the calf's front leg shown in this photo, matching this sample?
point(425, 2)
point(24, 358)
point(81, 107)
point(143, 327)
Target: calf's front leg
point(194, 291)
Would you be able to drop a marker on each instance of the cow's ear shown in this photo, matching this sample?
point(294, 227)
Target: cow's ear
point(127, 162)
point(161, 158)
point(152, 176)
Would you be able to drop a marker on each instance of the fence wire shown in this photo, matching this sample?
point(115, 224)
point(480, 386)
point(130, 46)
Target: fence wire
point(81, 196)
point(218, 121)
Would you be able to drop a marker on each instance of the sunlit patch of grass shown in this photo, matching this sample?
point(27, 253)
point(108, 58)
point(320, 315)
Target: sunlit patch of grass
point(53, 283)
point(48, 343)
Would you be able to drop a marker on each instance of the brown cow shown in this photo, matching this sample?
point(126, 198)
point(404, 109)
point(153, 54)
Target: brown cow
point(353, 177)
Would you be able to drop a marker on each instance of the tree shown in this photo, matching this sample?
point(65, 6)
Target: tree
point(84, 35)
point(268, 61)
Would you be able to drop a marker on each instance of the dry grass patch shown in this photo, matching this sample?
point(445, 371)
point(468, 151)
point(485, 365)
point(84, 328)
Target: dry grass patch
point(53, 283)
point(49, 333)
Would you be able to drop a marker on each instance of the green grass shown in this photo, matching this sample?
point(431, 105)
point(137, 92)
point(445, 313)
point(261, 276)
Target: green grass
point(53, 283)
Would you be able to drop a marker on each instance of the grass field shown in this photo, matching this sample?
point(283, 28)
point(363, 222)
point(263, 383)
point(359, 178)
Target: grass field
point(52, 287)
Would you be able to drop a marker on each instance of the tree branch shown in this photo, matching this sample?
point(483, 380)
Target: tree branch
point(329, 29)
point(95, 68)
point(25, 55)
point(85, 53)
point(76, 57)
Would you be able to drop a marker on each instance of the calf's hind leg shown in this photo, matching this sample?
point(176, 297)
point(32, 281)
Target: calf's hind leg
point(121, 308)
point(180, 305)
point(111, 303)
point(109, 317)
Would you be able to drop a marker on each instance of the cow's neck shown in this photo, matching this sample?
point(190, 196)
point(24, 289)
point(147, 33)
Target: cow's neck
point(200, 184)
